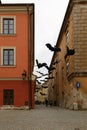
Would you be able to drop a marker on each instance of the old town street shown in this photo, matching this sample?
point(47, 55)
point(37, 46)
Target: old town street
point(43, 118)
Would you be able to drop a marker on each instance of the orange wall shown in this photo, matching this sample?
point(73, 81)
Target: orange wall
point(20, 88)
point(21, 92)
point(33, 90)
point(20, 41)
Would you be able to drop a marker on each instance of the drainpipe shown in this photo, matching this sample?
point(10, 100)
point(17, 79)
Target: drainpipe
point(29, 62)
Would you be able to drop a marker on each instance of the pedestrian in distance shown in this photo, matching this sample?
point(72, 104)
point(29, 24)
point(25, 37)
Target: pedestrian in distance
point(46, 102)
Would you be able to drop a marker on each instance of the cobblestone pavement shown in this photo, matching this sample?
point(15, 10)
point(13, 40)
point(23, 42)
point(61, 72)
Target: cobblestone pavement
point(43, 118)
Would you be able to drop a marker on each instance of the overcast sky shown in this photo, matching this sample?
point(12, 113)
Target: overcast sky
point(49, 16)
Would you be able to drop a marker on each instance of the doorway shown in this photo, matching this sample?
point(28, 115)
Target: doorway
point(8, 97)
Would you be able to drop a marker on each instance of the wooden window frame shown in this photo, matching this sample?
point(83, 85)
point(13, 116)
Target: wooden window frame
point(8, 97)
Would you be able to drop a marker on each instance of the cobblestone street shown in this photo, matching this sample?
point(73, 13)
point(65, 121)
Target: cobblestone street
point(43, 118)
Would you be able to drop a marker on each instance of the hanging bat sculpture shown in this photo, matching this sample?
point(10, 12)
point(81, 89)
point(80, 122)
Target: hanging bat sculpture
point(55, 49)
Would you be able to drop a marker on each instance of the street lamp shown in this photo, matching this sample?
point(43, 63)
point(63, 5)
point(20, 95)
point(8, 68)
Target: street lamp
point(24, 74)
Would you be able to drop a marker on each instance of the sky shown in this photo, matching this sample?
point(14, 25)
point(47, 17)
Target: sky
point(49, 15)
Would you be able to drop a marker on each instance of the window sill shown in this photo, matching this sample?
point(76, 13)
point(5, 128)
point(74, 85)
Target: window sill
point(3, 66)
point(8, 35)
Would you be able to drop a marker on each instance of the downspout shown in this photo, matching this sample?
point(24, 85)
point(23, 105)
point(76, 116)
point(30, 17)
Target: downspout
point(29, 62)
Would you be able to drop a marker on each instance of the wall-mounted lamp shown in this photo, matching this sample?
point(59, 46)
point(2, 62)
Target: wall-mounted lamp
point(24, 74)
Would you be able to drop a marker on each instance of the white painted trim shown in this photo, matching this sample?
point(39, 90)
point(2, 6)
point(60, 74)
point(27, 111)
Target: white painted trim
point(13, 79)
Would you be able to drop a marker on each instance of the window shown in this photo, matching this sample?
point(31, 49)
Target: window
point(62, 72)
point(67, 67)
point(8, 56)
point(67, 37)
point(67, 33)
point(8, 25)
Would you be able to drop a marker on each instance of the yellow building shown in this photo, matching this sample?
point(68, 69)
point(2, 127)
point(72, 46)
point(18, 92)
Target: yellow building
point(41, 93)
point(70, 82)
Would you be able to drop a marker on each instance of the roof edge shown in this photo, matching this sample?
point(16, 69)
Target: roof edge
point(16, 4)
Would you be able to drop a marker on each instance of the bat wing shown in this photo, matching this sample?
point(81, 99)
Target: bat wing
point(37, 62)
point(50, 47)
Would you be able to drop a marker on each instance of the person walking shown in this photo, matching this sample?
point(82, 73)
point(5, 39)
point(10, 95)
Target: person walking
point(46, 102)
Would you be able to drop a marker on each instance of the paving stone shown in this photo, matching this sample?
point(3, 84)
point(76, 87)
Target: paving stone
point(43, 118)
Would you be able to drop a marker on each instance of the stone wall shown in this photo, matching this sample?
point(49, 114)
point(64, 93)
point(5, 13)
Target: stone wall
point(80, 37)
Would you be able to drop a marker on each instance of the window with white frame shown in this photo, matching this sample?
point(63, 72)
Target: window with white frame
point(8, 57)
point(8, 25)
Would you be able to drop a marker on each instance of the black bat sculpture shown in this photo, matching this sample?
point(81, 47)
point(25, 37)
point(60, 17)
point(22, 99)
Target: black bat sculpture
point(43, 80)
point(49, 77)
point(39, 65)
point(69, 52)
point(55, 49)
point(42, 73)
point(38, 82)
point(39, 77)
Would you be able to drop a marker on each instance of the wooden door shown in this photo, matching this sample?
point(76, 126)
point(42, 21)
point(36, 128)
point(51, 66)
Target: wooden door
point(8, 97)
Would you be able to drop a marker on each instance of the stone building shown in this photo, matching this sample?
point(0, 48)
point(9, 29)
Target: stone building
point(70, 82)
